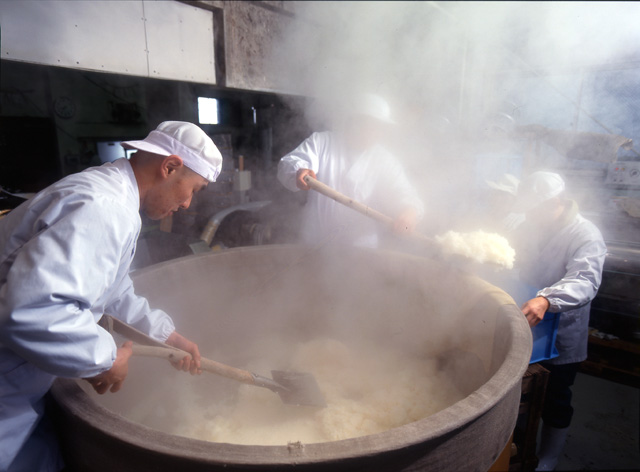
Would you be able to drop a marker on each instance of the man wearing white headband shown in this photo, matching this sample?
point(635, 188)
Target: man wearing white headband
point(353, 162)
point(561, 255)
point(65, 256)
point(188, 142)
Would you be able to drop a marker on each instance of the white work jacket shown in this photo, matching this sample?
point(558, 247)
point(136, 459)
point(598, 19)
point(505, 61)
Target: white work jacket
point(64, 262)
point(565, 267)
point(374, 178)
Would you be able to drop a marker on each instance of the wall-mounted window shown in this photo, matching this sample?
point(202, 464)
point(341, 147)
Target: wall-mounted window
point(208, 111)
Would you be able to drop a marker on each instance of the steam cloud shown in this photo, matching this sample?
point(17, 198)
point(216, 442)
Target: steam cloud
point(454, 72)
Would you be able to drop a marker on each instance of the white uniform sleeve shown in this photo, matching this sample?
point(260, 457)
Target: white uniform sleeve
point(135, 310)
point(582, 280)
point(54, 281)
point(305, 156)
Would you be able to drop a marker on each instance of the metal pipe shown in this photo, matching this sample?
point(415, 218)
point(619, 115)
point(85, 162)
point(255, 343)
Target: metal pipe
point(214, 222)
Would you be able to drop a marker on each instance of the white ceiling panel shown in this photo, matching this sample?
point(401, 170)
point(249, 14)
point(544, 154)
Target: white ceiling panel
point(161, 39)
point(99, 35)
point(180, 41)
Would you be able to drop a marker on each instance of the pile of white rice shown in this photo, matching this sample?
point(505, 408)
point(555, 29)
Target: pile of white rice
point(478, 246)
point(367, 390)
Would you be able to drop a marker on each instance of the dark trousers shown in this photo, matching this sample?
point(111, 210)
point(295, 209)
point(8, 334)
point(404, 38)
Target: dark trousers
point(557, 410)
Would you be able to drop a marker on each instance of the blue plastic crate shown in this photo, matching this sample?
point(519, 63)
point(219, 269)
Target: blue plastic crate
point(544, 333)
point(544, 338)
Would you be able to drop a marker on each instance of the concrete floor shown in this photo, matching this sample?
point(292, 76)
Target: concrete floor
point(604, 432)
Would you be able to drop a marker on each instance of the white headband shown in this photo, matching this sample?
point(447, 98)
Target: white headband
point(185, 140)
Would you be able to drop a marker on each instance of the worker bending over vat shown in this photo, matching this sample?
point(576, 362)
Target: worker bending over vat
point(65, 256)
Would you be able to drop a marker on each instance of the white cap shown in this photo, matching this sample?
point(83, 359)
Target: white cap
point(188, 142)
point(372, 105)
point(537, 188)
point(507, 183)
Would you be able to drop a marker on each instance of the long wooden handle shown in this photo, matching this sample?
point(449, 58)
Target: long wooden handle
point(173, 354)
point(347, 201)
point(360, 207)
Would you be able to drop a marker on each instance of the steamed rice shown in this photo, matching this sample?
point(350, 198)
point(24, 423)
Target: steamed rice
point(368, 390)
point(479, 246)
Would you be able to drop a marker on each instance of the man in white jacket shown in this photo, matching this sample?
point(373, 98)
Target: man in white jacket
point(561, 254)
point(64, 262)
point(353, 162)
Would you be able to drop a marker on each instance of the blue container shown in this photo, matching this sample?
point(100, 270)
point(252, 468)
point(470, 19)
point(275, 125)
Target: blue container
point(544, 333)
point(544, 338)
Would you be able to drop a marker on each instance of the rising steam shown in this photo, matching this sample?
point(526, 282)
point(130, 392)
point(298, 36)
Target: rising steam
point(454, 73)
